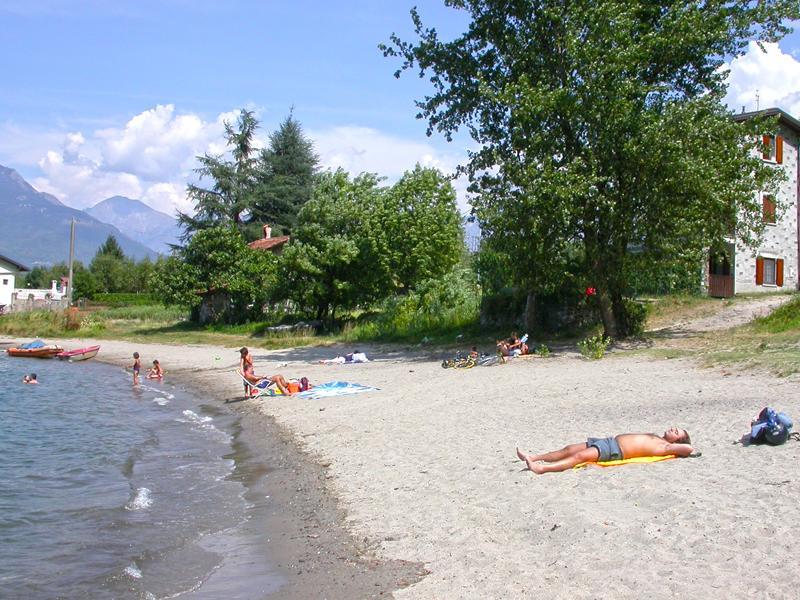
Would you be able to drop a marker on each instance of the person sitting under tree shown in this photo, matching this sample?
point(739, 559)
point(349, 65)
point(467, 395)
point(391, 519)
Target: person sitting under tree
point(627, 445)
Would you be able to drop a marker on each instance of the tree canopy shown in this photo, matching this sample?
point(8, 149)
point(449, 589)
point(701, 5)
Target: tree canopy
point(218, 276)
point(285, 178)
point(600, 125)
point(233, 188)
point(357, 242)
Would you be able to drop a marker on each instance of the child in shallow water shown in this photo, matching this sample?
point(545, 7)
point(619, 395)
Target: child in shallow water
point(155, 372)
point(137, 366)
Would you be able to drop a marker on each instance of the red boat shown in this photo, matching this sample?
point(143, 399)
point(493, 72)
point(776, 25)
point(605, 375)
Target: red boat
point(35, 349)
point(79, 354)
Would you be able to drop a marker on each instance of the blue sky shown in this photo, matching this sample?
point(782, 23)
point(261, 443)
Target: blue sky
point(103, 97)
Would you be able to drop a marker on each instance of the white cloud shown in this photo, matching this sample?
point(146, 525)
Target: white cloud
point(152, 157)
point(362, 149)
point(764, 79)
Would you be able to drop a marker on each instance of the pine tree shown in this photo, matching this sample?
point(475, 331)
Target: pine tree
point(285, 178)
point(234, 181)
point(111, 248)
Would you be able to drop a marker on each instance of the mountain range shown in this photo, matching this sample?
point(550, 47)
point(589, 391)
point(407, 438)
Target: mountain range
point(154, 229)
point(34, 227)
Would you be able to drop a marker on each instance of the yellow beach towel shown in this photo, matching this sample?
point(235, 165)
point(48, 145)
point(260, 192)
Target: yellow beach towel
point(625, 461)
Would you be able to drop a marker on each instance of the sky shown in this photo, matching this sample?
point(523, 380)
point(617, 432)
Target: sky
point(118, 97)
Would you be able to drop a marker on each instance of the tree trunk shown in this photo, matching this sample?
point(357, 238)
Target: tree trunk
point(607, 313)
point(530, 313)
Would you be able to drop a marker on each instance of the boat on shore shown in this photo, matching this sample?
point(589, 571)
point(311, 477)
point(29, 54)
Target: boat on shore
point(79, 354)
point(35, 349)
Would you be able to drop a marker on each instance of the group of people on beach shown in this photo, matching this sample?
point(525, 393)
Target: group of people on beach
point(247, 370)
point(512, 346)
point(154, 372)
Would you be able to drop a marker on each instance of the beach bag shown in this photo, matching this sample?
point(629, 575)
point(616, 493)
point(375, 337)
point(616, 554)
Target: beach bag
point(771, 427)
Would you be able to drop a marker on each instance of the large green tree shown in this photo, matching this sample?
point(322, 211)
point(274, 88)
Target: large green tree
point(599, 125)
point(422, 227)
point(358, 242)
point(338, 258)
point(233, 186)
point(218, 276)
point(285, 178)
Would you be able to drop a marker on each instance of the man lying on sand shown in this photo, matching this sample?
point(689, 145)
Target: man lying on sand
point(627, 445)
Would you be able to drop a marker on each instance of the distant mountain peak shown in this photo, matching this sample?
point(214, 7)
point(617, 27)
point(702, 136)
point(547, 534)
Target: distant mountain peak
point(34, 228)
point(153, 228)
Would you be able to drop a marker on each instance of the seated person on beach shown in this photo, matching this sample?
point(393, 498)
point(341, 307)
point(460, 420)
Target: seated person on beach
point(30, 379)
point(353, 357)
point(627, 445)
point(278, 380)
point(517, 346)
point(155, 372)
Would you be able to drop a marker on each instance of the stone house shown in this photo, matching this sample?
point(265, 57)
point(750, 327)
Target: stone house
point(774, 265)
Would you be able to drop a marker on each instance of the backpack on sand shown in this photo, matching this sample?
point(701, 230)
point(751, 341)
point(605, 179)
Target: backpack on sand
point(771, 427)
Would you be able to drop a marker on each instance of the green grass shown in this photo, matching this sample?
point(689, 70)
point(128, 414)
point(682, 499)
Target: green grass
point(770, 344)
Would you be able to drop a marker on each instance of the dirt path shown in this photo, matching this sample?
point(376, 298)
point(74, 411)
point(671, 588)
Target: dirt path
point(741, 311)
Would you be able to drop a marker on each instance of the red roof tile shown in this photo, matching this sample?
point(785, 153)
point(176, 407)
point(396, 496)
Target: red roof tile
point(269, 243)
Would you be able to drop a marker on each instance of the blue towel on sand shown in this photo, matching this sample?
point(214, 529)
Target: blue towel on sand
point(334, 388)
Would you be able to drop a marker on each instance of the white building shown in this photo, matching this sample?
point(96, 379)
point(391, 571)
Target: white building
point(774, 265)
point(9, 271)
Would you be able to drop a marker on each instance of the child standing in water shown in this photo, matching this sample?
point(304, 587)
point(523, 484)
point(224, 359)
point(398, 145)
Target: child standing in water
point(137, 366)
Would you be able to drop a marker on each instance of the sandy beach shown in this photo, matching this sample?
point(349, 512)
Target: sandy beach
point(423, 476)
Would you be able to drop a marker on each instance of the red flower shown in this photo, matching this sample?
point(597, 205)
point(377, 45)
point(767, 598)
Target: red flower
point(590, 291)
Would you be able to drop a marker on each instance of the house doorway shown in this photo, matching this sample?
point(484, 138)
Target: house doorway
point(720, 274)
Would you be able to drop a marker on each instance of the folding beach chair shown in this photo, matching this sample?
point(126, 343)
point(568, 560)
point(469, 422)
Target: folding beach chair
point(263, 387)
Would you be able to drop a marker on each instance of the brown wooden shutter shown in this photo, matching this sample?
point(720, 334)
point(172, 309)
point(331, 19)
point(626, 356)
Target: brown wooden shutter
point(768, 209)
point(766, 154)
point(779, 272)
point(759, 271)
point(779, 149)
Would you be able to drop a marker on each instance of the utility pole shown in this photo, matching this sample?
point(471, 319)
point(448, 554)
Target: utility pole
point(71, 255)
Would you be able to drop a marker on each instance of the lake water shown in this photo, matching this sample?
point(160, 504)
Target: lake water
point(107, 490)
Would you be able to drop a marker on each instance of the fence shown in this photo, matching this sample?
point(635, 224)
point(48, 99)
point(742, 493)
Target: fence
point(25, 303)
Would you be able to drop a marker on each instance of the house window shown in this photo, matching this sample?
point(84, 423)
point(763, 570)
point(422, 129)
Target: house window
point(5, 281)
point(773, 148)
point(769, 271)
point(768, 209)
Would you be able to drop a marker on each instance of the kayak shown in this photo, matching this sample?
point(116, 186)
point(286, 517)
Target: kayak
point(79, 354)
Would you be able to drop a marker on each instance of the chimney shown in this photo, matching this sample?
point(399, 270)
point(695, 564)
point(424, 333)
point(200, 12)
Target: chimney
point(267, 232)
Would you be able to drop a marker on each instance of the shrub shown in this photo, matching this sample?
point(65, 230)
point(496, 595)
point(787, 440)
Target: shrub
point(542, 351)
point(447, 303)
point(637, 317)
point(594, 347)
point(72, 319)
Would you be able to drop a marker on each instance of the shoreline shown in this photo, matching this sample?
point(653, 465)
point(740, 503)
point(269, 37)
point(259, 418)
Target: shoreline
point(424, 470)
point(297, 518)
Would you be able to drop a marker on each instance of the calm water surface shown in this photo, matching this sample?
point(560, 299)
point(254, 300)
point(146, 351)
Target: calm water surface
point(112, 491)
